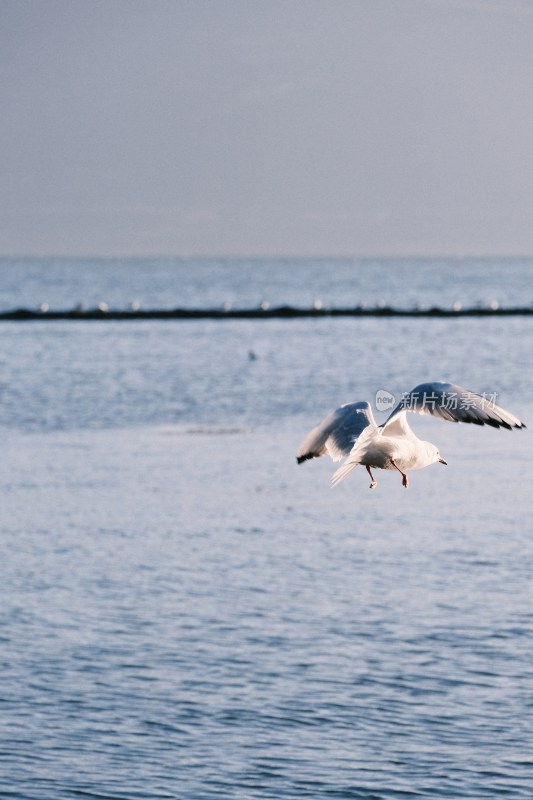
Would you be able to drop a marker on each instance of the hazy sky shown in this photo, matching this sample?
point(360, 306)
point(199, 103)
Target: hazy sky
point(266, 127)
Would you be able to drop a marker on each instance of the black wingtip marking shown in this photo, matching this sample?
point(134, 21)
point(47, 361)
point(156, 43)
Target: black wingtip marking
point(306, 457)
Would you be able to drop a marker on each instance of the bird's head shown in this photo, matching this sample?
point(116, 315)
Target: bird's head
point(433, 454)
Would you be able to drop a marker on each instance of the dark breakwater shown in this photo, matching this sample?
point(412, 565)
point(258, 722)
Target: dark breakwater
point(275, 312)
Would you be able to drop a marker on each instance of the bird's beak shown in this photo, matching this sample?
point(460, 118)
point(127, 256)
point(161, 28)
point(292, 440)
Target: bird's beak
point(442, 461)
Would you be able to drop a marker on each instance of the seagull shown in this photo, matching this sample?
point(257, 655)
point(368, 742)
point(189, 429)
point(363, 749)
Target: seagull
point(351, 430)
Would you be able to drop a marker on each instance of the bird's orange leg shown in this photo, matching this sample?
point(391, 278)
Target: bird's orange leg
point(405, 479)
point(374, 481)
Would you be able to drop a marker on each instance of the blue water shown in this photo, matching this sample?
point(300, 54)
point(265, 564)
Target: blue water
point(185, 613)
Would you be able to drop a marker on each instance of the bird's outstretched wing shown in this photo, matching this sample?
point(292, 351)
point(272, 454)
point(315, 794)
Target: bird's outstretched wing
point(336, 434)
point(450, 402)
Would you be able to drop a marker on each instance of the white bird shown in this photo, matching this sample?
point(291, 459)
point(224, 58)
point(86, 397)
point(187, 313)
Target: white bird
point(351, 430)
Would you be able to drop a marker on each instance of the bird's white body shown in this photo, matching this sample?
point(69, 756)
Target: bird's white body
point(383, 450)
point(351, 430)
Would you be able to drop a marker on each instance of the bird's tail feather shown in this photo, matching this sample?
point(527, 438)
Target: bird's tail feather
point(343, 471)
point(356, 456)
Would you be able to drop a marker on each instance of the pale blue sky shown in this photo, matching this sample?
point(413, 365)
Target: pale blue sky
point(266, 127)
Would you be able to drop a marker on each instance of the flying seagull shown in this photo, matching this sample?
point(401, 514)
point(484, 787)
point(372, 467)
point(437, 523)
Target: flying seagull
point(351, 430)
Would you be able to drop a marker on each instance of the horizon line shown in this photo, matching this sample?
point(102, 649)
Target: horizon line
point(265, 257)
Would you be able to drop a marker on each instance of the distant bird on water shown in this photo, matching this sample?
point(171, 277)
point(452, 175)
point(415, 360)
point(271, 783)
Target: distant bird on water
point(351, 430)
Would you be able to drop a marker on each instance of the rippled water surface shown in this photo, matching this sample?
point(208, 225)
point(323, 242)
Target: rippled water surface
point(210, 283)
point(185, 613)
